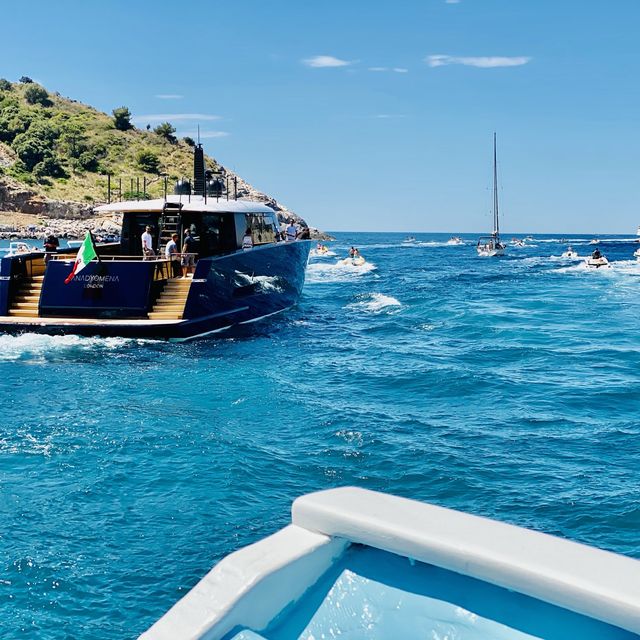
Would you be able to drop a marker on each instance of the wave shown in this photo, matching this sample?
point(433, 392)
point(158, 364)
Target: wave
point(31, 345)
point(321, 273)
point(314, 253)
point(375, 303)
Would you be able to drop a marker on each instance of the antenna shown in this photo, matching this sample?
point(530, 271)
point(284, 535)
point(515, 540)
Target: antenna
point(198, 134)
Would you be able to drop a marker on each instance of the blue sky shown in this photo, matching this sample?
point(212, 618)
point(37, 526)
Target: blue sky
point(369, 115)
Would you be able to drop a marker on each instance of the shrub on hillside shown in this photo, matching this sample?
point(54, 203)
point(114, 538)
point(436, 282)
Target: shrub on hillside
point(148, 161)
point(50, 165)
point(13, 121)
point(90, 159)
point(122, 119)
point(166, 131)
point(35, 94)
point(35, 143)
point(25, 80)
point(5, 85)
point(190, 141)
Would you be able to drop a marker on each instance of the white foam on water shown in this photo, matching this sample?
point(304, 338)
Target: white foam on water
point(33, 344)
point(314, 253)
point(322, 273)
point(376, 303)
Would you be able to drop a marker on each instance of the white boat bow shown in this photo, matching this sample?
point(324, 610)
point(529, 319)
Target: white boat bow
point(251, 588)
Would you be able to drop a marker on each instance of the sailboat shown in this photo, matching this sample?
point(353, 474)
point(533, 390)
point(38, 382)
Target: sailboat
point(491, 245)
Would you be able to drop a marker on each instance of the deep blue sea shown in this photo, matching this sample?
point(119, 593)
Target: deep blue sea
point(507, 387)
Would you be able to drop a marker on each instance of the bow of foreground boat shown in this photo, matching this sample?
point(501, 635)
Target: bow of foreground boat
point(358, 563)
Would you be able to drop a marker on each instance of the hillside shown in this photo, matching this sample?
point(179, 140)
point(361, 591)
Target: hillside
point(56, 153)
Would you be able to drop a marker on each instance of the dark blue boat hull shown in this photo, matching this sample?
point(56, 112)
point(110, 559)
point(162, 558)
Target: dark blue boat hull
point(226, 290)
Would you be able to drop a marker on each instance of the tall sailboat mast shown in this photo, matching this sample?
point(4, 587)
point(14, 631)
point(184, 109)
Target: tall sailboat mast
point(496, 228)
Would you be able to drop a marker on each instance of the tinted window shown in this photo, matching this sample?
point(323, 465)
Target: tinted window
point(262, 227)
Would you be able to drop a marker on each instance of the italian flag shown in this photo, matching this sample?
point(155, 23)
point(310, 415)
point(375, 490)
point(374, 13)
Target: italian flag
point(86, 254)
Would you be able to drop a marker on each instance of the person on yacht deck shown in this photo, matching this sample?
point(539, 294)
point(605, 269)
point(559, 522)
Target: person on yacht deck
point(247, 240)
point(147, 244)
point(172, 254)
point(291, 232)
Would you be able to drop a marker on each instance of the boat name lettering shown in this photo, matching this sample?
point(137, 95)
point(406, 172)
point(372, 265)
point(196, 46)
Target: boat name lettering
point(98, 279)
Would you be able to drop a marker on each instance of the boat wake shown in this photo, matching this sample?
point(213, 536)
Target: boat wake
point(314, 253)
point(375, 303)
point(337, 272)
point(30, 346)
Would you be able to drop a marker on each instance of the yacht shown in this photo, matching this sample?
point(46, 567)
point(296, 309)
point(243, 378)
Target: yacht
point(118, 291)
point(356, 563)
point(489, 246)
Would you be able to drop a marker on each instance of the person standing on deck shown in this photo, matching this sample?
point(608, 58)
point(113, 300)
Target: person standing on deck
point(247, 240)
point(147, 244)
point(188, 257)
point(291, 232)
point(172, 254)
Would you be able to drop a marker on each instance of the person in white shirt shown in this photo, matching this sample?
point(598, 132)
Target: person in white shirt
point(291, 232)
point(247, 240)
point(147, 244)
point(171, 253)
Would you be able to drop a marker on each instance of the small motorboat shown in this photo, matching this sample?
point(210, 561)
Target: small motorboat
point(517, 242)
point(355, 563)
point(18, 248)
point(595, 241)
point(321, 251)
point(570, 254)
point(597, 261)
point(409, 240)
point(356, 261)
point(455, 240)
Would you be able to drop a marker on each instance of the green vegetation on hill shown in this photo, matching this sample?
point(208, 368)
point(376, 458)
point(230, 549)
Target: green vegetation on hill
point(64, 150)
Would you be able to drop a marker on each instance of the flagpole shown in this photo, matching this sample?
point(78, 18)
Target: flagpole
point(95, 248)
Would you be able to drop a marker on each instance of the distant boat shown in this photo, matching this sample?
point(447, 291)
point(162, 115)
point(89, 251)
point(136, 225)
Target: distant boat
point(597, 261)
point(455, 240)
point(595, 241)
point(489, 246)
point(409, 240)
point(570, 254)
point(636, 254)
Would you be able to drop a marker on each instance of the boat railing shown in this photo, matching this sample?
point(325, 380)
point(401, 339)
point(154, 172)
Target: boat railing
point(66, 257)
point(162, 265)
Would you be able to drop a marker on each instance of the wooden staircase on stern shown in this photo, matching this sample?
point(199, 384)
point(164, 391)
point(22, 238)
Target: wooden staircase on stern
point(170, 305)
point(26, 301)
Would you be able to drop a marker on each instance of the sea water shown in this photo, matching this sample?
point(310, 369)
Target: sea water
point(505, 387)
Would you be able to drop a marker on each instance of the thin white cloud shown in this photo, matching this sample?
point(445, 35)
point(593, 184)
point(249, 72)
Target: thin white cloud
point(205, 134)
point(168, 96)
point(452, 1)
point(319, 62)
point(383, 69)
point(483, 62)
point(389, 116)
point(173, 117)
